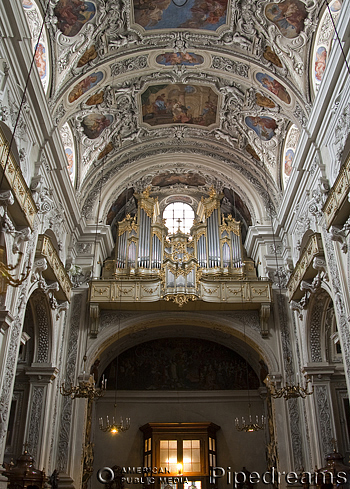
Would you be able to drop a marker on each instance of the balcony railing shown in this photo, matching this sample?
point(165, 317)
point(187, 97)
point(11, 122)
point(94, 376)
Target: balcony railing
point(24, 204)
point(56, 270)
point(337, 207)
point(303, 269)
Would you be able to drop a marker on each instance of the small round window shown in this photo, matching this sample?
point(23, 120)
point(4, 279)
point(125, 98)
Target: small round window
point(178, 215)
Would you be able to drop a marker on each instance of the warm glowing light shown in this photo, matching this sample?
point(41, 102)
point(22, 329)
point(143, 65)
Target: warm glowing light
point(179, 468)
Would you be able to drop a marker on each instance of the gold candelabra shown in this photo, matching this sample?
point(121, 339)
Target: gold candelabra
point(292, 391)
point(85, 389)
point(251, 425)
point(114, 427)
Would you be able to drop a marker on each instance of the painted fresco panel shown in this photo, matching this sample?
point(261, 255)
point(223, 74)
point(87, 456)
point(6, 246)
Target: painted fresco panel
point(263, 126)
point(288, 161)
point(72, 15)
point(84, 86)
point(193, 14)
point(288, 16)
point(180, 364)
point(273, 86)
point(179, 103)
point(40, 60)
point(95, 124)
point(187, 59)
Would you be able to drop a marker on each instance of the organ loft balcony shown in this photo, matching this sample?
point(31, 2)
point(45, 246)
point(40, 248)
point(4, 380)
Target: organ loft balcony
point(205, 269)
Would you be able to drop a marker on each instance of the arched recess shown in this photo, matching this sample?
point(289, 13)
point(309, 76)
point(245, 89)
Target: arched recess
point(29, 419)
point(238, 331)
point(177, 405)
point(325, 365)
point(248, 183)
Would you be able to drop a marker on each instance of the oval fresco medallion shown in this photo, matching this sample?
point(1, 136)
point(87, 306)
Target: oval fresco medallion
point(84, 86)
point(179, 103)
point(263, 126)
point(193, 14)
point(187, 59)
point(95, 124)
point(274, 87)
point(72, 15)
point(288, 16)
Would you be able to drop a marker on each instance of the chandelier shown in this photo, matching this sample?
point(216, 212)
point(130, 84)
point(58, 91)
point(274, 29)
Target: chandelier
point(114, 427)
point(292, 391)
point(250, 426)
point(86, 389)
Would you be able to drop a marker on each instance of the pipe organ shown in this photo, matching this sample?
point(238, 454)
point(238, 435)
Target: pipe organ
point(207, 265)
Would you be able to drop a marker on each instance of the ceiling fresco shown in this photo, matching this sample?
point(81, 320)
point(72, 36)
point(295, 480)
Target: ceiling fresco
point(193, 14)
point(220, 81)
point(180, 104)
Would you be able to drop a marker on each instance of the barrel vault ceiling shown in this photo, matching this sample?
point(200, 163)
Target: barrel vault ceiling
point(180, 93)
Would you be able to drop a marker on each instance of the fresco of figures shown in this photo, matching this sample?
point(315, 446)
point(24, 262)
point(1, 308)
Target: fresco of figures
point(291, 143)
point(172, 59)
point(70, 160)
point(181, 364)
point(89, 55)
point(191, 179)
point(179, 103)
point(95, 124)
point(84, 86)
point(34, 19)
point(263, 126)
point(40, 59)
point(72, 15)
point(288, 161)
point(194, 14)
point(320, 62)
point(274, 87)
point(288, 16)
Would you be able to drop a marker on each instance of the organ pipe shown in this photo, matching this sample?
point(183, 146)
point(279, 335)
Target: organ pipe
point(143, 242)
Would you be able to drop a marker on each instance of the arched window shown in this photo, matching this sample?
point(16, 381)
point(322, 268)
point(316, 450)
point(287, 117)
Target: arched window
point(178, 215)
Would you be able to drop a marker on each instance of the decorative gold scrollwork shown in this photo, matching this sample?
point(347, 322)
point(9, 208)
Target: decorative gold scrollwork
point(180, 299)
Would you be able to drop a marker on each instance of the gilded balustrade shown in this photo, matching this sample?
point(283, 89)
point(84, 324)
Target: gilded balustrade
point(303, 269)
point(336, 208)
point(56, 269)
point(17, 184)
